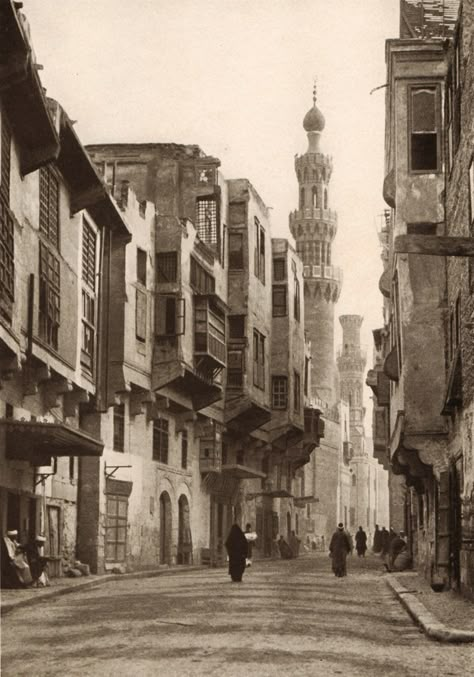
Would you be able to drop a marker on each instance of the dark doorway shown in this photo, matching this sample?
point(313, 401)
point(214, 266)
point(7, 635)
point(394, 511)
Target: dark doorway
point(165, 528)
point(185, 546)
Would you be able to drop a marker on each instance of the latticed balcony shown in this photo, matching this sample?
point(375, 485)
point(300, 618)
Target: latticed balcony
point(209, 332)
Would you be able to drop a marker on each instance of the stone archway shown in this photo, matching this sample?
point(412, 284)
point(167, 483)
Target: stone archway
point(185, 542)
point(165, 528)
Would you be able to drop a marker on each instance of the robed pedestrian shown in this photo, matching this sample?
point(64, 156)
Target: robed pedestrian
point(237, 550)
point(339, 548)
point(361, 542)
point(285, 551)
point(377, 544)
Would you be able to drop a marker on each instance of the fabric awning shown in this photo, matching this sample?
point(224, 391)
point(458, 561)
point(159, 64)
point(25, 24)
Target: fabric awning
point(37, 442)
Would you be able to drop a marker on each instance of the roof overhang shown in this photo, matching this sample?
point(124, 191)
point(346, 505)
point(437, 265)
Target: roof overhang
point(37, 442)
point(302, 501)
point(22, 94)
point(242, 472)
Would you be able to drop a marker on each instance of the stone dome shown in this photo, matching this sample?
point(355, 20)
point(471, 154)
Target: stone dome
point(314, 120)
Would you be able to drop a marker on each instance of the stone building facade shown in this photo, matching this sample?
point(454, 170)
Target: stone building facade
point(422, 417)
point(55, 216)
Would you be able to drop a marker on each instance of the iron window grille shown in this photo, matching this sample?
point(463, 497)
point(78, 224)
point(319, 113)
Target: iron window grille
point(160, 440)
point(166, 267)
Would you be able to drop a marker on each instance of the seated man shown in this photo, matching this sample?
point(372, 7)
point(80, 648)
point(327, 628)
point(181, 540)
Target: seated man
point(399, 558)
point(38, 563)
point(15, 569)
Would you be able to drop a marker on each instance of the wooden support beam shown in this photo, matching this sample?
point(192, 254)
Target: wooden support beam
point(434, 245)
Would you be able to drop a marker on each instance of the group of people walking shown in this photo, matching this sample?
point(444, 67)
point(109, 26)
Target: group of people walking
point(391, 546)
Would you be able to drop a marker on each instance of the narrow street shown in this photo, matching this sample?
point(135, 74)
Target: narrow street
point(286, 618)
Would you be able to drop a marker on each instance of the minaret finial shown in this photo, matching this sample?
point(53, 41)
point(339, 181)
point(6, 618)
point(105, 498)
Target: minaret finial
point(315, 91)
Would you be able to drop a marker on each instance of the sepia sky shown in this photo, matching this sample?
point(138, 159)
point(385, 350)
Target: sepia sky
point(236, 77)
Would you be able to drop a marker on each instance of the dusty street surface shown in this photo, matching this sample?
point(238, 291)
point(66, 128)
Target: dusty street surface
point(286, 618)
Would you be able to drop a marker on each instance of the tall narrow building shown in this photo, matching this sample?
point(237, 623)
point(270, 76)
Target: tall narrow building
point(314, 226)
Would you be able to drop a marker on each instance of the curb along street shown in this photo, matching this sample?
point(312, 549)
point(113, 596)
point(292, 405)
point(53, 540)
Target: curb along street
point(432, 627)
point(40, 595)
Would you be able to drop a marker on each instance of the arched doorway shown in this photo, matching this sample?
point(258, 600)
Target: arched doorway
point(185, 543)
point(165, 528)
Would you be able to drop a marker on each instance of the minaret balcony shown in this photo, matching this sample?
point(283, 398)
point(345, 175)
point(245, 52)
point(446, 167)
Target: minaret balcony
point(323, 272)
point(313, 214)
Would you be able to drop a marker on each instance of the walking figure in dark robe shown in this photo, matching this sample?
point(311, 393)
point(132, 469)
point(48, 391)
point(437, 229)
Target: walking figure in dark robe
point(361, 542)
point(285, 551)
point(384, 542)
point(339, 548)
point(237, 550)
point(377, 546)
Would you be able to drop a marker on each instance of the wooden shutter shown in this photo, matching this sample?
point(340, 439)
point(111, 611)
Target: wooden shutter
point(442, 524)
point(140, 314)
point(180, 326)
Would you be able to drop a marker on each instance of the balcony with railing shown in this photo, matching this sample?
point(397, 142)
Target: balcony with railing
point(313, 214)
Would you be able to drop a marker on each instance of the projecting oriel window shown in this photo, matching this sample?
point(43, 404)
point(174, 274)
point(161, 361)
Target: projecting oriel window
point(424, 130)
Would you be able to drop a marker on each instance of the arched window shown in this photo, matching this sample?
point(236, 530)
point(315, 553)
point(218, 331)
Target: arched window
point(305, 174)
point(314, 194)
point(302, 198)
point(328, 255)
point(325, 198)
point(354, 480)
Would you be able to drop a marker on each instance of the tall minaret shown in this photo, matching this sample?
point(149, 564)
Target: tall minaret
point(351, 362)
point(314, 226)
